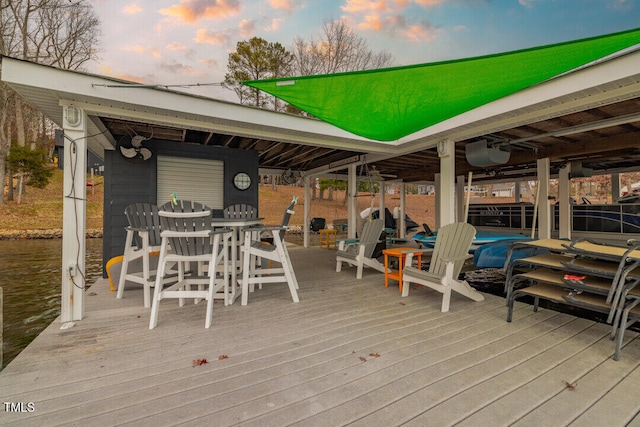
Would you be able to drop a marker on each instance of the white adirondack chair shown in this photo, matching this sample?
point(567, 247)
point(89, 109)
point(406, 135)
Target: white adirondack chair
point(452, 246)
point(359, 252)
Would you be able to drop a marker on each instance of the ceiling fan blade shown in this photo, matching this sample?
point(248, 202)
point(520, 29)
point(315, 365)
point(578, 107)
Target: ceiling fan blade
point(136, 141)
point(146, 153)
point(129, 153)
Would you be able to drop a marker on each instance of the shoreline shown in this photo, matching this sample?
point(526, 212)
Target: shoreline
point(45, 233)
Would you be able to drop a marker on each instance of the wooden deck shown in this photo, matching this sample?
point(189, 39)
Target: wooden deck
point(351, 352)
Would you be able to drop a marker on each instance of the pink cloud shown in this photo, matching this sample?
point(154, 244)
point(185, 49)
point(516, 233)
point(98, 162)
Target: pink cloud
point(372, 22)
point(136, 48)
point(176, 46)
point(156, 53)
point(389, 16)
point(281, 4)
point(209, 62)
point(247, 27)
point(204, 36)
point(132, 9)
point(191, 11)
point(358, 6)
point(429, 2)
point(275, 25)
point(419, 33)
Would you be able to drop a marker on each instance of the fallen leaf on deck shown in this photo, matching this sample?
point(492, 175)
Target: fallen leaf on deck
point(374, 355)
point(222, 357)
point(363, 359)
point(198, 362)
point(571, 386)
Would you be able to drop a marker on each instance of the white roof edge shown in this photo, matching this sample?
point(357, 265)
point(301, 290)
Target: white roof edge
point(86, 90)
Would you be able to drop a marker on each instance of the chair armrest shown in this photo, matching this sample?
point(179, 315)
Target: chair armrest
point(342, 244)
point(460, 258)
point(411, 252)
point(265, 228)
point(221, 231)
point(138, 229)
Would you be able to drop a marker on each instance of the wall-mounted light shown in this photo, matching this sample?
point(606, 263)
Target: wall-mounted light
point(72, 116)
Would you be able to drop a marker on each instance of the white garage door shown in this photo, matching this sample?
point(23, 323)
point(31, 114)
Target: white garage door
point(198, 180)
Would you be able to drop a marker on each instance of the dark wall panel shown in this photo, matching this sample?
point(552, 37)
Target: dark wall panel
point(129, 182)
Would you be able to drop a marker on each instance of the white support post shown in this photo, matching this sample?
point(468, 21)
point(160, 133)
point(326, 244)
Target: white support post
point(307, 210)
point(446, 152)
point(352, 203)
point(438, 196)
point(615, 187)
point(544, 213)
point(74, 214)
point(518, 191)
point(460, 197)
point(382, 212)
point(564, 195)
point(402, 223)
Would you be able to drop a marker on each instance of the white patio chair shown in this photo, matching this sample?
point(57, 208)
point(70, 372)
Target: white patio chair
point(143, 239)
point(191, 239)
point(359, 252)
point(451, 250)
point(255, 247)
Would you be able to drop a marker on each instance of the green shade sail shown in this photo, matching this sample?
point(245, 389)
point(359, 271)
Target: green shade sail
point(387, 104)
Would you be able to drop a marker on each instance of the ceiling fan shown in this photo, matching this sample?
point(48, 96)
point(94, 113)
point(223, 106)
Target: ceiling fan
point(136, 151)
point(375, 174)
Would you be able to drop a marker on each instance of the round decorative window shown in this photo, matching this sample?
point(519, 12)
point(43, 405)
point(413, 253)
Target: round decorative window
point(241, 181)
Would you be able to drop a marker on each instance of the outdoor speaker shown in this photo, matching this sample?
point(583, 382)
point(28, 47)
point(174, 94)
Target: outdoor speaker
point(481, 155)
point(579, 171)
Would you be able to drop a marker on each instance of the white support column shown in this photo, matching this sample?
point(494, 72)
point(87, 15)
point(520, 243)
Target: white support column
point(438, 202)
point(402, 223)
point(615, 187)
point(382, 212)
point(518, 191)
point(307, 209)
point(544, 213)
point(74, 214)
point(447, 181)
point(564, 205)
point(460, 197)
point(351, 203)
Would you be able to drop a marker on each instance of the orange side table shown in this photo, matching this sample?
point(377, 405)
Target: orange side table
point(328, 237)
point(401, 254)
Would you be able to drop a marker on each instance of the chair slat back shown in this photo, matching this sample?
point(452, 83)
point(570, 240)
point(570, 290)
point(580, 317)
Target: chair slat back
point(452, 241)
point(188, 222)
point(371, 232)
point(144, 215)
point(286, 217)
point(240, 211)
point(184, 206)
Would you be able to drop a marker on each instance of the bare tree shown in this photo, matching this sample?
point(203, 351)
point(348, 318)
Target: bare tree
point(336, 49)
point(61, 33)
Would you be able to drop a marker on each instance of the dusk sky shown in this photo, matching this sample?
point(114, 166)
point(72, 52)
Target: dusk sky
point(171, 42)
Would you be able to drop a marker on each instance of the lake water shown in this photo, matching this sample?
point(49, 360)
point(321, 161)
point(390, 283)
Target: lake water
point(30, 277)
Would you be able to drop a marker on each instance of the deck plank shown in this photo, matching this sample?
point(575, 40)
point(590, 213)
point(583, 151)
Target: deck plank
point(352, 351)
